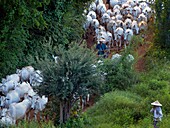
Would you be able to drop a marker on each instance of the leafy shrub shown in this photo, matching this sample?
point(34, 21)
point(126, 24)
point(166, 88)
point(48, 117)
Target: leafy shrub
point(120, 74)
point(144, 123)
point(112, 105)
point(34, 124)
point(76, 122)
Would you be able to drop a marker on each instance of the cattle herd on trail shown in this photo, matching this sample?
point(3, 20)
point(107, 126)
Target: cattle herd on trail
point(115, 22)
point(18, 97)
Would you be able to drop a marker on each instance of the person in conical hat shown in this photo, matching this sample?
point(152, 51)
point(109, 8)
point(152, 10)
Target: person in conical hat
point(157, 112)
point(101, 47)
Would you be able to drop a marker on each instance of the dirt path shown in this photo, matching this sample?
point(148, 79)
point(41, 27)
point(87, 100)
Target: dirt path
point(140, 66)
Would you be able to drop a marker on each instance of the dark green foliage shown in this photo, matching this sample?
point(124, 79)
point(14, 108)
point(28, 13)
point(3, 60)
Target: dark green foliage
point(33, 124)
point(73, 71)
point(76, 122)
point(120, 74)
point(162, 34)
point(121, 108)
point(16, 19)
point(25, 24)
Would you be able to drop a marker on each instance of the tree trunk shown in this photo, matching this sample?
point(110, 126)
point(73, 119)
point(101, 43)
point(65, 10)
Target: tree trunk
point(65, 111)
point(68, 109)
point(81, 103)
point(61, 112)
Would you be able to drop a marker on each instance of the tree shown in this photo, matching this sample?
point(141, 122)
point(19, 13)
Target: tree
point(17, 17)
point(162, 33)
point(25, 24)
point(72, 77)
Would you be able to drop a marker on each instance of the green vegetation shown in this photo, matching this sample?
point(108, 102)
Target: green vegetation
point(32, 31)
point(162, 31)
point(131, 108)
point(71, 77)
point(31, 124)
point(24, 25)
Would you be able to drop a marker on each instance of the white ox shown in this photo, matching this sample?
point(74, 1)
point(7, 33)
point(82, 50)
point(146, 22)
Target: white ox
point(105, 18)
point(142, 17)
point(130, 58)
point(119, 23)
point(92, 14)
point(109, 39)
point(36, 78)
point(23, 89)
point(9, 85)
point(109, 12)
point(131, 3)
point(98, 32)
point(5, 118)
point(116, 57)
point(38, 104)
point(147, 12)
point(127, 36)
point(92, 7)
point(95, 24)
point(18, 110)
point(136, 12)
point(135, 27)
point(127, 23)
point(101, 9)
point(111, 26)
point(97, 2)
point(12, 97)
point(118, 36)
point(13, 77)
point(87, 22)
point(119, 17)
point(116, 7)
point(113, 3)
point(3, 98)
point(142, 26)
point(25, 73)
point(143, 5)
point(116, 12)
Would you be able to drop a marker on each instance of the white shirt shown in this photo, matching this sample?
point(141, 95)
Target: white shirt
point(157, 113)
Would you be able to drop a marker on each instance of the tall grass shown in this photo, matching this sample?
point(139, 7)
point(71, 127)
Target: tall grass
point(116, 108)
point(32, 124)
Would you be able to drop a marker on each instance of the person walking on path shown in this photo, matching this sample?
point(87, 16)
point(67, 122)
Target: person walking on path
point(101, 47)
point(157, 113)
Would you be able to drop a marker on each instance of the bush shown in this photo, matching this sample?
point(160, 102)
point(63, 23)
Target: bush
point(76, 122)
point(34, 124)
point(117, 108)
point(120, 74)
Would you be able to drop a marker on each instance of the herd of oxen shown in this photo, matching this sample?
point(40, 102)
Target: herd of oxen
point(115, 23)
point(18, 97)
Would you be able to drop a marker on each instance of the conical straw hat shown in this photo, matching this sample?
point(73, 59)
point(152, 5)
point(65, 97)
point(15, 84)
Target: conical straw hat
point(156, 103)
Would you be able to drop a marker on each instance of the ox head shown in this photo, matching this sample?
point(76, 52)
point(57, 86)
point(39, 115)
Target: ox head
point(92, 6)
point(39, 103)
point(6, 119)
point(5, 88)
point(3, 112)
point(128, 34)
point(3, 98)
point(1, 87)
point(4, 80)
point(137, 30)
